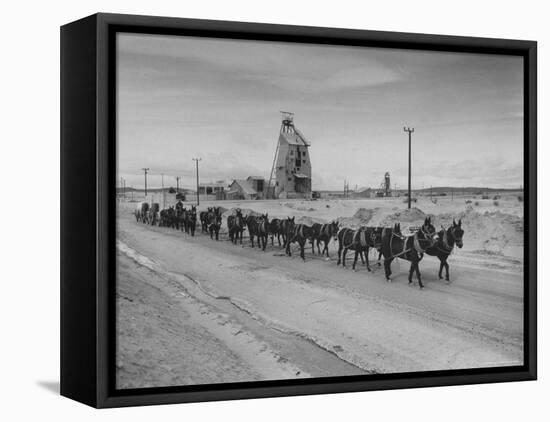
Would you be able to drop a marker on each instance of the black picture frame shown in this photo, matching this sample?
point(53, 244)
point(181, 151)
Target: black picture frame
point(88, 209)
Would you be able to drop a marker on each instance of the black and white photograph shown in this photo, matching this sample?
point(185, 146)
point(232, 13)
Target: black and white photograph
point(293, 210)
point(276, 211)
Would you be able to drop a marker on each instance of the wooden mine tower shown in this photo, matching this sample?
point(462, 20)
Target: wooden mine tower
point(385, 187)
point(291, 170)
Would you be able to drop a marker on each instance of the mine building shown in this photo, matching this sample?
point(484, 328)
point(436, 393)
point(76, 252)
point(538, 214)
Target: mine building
point(291, 172)
point(362, 193)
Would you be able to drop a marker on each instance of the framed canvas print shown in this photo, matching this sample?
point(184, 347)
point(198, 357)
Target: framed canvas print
point(254, 210)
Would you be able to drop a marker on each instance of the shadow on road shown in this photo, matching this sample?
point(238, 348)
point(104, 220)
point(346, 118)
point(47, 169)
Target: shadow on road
point(51, 386)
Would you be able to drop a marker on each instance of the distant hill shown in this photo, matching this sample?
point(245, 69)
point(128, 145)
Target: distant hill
point(469, 190)
point(442, 189)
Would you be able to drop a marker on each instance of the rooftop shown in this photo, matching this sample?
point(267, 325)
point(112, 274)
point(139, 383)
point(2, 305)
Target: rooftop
point(245, 186)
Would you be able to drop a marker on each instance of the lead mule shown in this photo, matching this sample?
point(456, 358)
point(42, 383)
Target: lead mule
point(446, 241)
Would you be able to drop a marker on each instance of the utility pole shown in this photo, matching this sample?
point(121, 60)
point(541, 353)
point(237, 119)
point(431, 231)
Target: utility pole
point(410, 131)
point(122, 188)
point(196, 160)
point(346, 188)
point(145, 171)
point(163, 195)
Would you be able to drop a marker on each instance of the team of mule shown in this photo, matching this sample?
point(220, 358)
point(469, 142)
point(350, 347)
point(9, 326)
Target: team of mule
point(389, 242)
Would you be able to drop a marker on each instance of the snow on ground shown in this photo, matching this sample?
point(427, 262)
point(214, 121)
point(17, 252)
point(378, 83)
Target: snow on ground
point(262, 315)
point(489, 229)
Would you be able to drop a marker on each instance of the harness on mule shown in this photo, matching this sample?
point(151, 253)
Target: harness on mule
point(416, 243)
point(298, 230)
point(446, 249)
point(404, 239)
point(363, 238)
point(416, 240)
point(326, 230)
point(359, 238)
point(352, 238)
point(323, 230)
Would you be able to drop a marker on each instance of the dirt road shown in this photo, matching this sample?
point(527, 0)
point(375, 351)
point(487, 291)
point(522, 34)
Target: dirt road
point(193, 310)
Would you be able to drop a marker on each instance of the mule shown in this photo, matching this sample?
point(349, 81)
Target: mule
point(323, 233)
point(166, 218)
point(276, 229)
point(235, 227)
point(190, 220)
point(214, 223)
point(251, 222)
point(349, 239)
point(142, 213)
point(302, 233)
point(171, 217)
point(138, 213)
point(178, 217)
point(443, 247)
point(287, 229)
point(374, 241)
point(262, 230)
point(203, 215)
point(360, 241)
point(410, 248)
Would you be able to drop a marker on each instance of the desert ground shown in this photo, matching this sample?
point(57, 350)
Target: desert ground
point(191, 310)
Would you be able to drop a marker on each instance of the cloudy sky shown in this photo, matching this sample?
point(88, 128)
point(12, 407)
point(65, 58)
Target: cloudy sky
point(185, 97)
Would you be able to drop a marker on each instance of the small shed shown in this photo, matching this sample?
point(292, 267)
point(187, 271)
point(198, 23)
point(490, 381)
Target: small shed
point(241, 189)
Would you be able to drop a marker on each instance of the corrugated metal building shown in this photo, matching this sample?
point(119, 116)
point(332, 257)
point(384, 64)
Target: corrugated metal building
point(212, 190)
